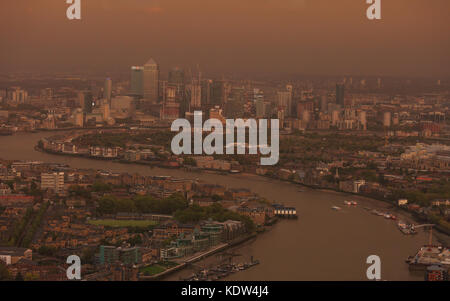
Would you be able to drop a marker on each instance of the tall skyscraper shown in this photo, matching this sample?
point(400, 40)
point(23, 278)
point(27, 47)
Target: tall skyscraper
point(195, 90)
point(151, 81)
point(340, 94)
point(284, 100)
point(107, 92)
point(234, 106)
point(292, 104)
point(86, 101)
point(136, 83)
point(324, 104)
point(176, 76)
point(177, 80)
point(218, 93)
point(261, 107)
point(362, 118)
point(206, 91)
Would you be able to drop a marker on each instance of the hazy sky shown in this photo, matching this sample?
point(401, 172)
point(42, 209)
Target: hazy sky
point(302, 36)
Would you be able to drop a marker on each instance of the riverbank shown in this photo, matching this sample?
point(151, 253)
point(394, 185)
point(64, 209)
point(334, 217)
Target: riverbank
point(197, 257)
point(322, 245)
point(444, 234)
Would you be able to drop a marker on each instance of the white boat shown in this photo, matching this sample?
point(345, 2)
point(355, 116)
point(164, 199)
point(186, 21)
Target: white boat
point(354, 203)
point(336, 208)
point(348, 203)
point(401, 224)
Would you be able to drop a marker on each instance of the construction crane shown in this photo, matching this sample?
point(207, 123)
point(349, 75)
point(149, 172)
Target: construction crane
point(430, 237)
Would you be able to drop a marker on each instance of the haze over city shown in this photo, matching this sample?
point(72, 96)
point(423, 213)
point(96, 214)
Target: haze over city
point(241, 141)
point(274, 36)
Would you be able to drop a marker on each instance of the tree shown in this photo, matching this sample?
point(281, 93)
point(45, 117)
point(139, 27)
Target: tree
point(135, 240)
point(19, 277)
point(142, 204)
point(47, 251)
point(4, 273)
point(217, 197)
point(101, 187)
point(88, 255)
point(78, 191)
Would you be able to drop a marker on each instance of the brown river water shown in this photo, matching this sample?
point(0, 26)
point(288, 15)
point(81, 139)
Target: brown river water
point(322, 244)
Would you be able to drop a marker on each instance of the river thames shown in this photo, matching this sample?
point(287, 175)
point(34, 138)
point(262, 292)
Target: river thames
point(321, 244)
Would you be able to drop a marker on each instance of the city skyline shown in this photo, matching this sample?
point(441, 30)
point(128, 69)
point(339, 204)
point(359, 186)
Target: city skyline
point(234, 141)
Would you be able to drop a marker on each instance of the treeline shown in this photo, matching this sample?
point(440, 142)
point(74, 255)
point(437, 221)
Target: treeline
point(424, 196)
point(4, 273)
point(122, 139)
point(26, 227)
point(28, 238)
point(97, 186)
point(142, 204)
point(214, 212)
point(19, 227)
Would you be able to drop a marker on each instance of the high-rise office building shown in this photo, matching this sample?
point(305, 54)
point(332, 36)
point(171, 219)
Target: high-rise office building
point(177, 79)
point(234, 106)
point(218, 93)
point(262, 108)
point(195, 90)
point(17, 95)
point(206, 91)
point(79, 117)
point(86, 101)
point(292, 106)
point(304, 106)
point(137, 81)
point(387, 119)
point(362, 118)
point(257, 95)
point(151, 81)
point(176, 76)
point(53, 181)
point(340, 94)
point(107, 91)
point(284, 100)
point(324, 103)
point(47, 93)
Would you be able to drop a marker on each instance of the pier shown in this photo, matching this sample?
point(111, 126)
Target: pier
point(285, 212)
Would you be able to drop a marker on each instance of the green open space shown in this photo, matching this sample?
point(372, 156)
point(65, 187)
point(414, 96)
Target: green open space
point(123, 223)
point(157, 268)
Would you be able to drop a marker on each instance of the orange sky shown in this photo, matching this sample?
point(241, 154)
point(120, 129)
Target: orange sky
point(303, 36)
